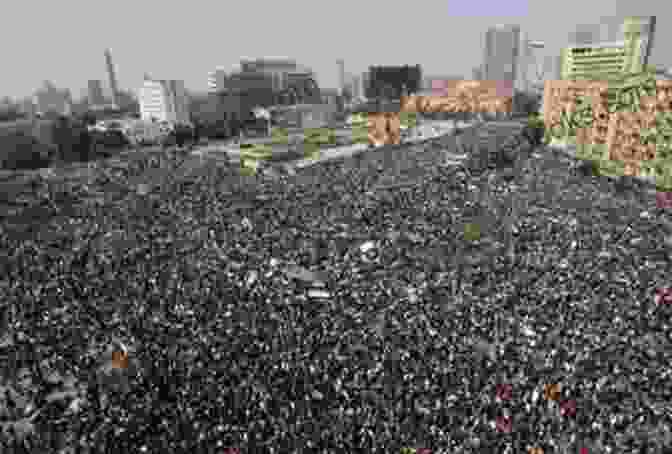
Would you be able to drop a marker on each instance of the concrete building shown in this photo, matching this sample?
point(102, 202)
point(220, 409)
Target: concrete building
point(114, 89)
point(164, 100)
point(555, 71)
point(366, 81)
point(95, 93)
point(356, 86)
point(217, 80)
point(261, 82)
point(306, 115)
point(330, 95)
point(477, 73)
point(614, 46)
point(50, 99)
point(502, 52)
point(281, 70)
point(28, 107)
point(608, 30)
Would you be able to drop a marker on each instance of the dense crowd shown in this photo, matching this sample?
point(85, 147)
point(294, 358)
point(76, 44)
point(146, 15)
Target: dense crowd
point(338, 309)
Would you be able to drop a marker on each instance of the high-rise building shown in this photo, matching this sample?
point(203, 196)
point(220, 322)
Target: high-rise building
point(356, 84)
point(477, 73)
point(261, 82)
point(502, 51)
point(95, 93)
point(114, 89)
point(217, 80)
point(281, 72)
point(554, 67)
point(391, 82)
point(584, 34)
point(164, 100)
point(613, 47)
point(366, 81)
point(609, 29)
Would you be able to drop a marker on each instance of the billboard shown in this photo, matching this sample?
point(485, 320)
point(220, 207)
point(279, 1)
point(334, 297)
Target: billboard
point(463, 96)
point(495, 88)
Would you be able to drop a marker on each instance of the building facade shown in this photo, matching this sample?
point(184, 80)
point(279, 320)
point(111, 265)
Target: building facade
point(280, 72)
point(50, 99)
point(476, 73)
point(356, 86)
point(95, 93)
point(217, 80)
point(366, 83)
point(616, 46)
point(502, 52)
point(260, 82)
point(391, 82)
point(164, 100)
point(28, 107)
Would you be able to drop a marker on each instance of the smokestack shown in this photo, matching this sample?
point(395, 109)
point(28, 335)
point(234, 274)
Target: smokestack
point(112, 77)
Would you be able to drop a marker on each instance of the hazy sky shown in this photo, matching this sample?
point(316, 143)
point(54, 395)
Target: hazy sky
point(63, 41)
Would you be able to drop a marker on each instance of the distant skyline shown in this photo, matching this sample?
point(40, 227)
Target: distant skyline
point(64, 42)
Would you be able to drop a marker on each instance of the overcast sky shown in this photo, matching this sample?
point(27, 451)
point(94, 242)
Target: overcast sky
point(63, 41)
